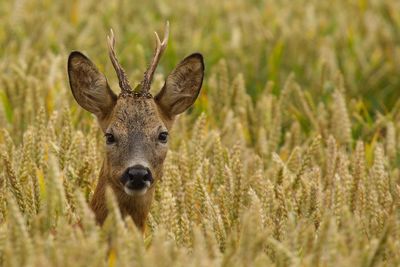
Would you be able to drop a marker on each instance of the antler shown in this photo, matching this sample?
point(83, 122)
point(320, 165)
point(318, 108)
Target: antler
point(160, 48)
point(122, 78)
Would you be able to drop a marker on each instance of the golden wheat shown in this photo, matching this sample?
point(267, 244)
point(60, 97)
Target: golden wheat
point(282, 161)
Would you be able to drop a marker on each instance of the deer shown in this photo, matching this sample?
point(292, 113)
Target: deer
point(135, 124)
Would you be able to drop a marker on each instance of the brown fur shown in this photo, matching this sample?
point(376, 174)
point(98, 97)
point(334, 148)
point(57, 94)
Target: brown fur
point(135, 121)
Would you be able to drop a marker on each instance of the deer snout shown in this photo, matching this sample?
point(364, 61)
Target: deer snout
point(136, 178)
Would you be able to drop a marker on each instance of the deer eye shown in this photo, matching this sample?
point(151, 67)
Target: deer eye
point(163, 137)
point(110, 139)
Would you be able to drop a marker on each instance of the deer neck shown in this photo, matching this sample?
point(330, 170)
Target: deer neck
point(137, 207)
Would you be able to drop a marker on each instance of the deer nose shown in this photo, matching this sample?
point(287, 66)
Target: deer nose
point(137, 177)
point(139, 172)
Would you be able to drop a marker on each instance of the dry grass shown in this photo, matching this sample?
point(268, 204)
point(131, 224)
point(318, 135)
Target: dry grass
point(289, 158)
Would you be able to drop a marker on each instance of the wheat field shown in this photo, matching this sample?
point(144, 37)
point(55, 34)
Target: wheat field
point(290, 156)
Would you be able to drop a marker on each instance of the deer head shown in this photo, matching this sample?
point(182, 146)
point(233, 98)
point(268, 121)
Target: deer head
point(136, 125)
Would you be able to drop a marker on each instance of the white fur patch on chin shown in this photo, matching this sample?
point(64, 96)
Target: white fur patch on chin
point(140, 192)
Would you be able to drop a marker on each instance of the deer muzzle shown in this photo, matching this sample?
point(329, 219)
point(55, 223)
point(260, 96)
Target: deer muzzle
point(136, 180)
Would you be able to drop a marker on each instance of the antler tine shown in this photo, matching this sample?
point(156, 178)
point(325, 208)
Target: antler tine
point(122, 78)
point(159, 50)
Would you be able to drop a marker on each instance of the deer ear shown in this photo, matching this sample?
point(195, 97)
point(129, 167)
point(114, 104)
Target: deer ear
point(182, 86)
point(89, 86)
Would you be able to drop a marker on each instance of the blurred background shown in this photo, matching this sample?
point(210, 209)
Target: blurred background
point(265, 41)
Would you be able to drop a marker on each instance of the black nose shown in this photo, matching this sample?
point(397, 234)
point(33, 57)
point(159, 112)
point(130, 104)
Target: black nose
point(137, 177)
point(139, 172)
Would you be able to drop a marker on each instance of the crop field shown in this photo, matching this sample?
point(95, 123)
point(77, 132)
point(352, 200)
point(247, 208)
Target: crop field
point(289, 157)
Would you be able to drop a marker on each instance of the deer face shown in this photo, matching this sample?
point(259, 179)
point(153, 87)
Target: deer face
point(136, 140)
point(135, 125)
